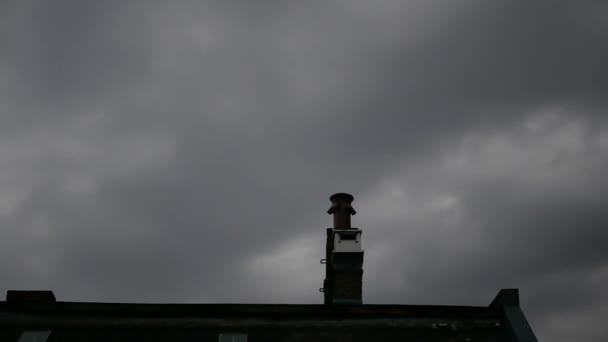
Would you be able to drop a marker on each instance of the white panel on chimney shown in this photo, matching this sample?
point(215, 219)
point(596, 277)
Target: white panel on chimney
point(347, 240)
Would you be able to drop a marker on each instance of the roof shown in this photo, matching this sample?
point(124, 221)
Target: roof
point(24, 311)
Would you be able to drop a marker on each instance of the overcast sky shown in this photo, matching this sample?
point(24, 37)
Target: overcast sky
point(184, 151)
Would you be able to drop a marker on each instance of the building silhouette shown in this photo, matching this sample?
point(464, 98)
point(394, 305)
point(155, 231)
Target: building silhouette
point(36, 316)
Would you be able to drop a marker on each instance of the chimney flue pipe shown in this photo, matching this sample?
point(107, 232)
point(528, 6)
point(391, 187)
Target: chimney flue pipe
point(341, 209)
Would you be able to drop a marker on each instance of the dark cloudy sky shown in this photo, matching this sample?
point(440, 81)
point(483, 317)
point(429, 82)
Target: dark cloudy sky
point(184, 151)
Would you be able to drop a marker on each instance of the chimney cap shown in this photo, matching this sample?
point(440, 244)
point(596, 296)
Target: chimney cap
point(341, 195)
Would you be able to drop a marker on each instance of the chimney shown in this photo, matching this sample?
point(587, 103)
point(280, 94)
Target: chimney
point(344, 256)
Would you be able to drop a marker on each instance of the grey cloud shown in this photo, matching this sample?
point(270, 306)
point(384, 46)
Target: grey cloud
point(150, 150)
point(502, 212)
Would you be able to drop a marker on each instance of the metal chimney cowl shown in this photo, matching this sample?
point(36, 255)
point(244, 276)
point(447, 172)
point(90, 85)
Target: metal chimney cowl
point(341, 209)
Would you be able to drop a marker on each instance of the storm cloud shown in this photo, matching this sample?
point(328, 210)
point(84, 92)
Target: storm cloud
point(184, 151)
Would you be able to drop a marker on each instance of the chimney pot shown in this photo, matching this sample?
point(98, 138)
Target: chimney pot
point(341, 209)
